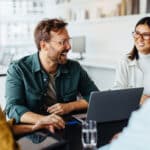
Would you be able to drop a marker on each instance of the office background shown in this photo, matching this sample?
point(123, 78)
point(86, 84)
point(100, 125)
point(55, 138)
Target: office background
point(106, 25)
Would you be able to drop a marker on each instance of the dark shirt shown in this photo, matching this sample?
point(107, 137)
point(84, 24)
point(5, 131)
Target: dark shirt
point(27, 84)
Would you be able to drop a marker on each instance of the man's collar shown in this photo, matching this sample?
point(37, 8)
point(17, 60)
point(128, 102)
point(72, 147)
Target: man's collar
point(36, 62)
point(37, 66)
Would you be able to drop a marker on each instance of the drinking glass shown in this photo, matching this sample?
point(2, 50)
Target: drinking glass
point(89, 134)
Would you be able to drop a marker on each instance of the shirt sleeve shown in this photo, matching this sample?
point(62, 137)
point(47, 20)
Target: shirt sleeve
point(15, 96)
point(86, 84)
point(121, 77)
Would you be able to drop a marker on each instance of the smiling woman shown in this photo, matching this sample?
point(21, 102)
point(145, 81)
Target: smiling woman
point(142, 38)
point(133, 70)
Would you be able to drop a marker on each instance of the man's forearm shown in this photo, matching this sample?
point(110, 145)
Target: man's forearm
point(30, 117)
point(79, 105)
point(21, 129)
point(38, 121)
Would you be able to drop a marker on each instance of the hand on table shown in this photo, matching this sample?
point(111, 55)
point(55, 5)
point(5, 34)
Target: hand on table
point(50, 122)
point(60, 108)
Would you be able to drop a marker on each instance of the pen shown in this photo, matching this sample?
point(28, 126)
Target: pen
point(72, 122)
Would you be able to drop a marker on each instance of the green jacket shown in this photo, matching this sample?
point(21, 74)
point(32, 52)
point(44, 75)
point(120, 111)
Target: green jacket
point(27, 83)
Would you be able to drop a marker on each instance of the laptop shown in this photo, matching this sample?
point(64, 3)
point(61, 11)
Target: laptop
point(111, 110)
point(113, 105)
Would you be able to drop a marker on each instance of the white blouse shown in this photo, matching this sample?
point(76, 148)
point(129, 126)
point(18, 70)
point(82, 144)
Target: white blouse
point(133, 73)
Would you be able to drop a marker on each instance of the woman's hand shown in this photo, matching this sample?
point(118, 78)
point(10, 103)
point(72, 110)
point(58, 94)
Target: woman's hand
point(144, 98)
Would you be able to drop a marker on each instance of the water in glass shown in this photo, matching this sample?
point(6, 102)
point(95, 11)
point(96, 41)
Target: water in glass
point(89, 134)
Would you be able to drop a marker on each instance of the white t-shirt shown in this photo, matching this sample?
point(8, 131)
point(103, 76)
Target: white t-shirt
point(133, 73)
point(144, 64)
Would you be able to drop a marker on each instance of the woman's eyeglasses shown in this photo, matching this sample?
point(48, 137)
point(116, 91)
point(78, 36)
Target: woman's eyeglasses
point(144, 36)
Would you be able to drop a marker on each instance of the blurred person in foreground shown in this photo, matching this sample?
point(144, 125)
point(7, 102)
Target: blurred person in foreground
point(136, 135)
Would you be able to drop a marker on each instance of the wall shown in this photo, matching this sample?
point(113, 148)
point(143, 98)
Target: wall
point(102, 76)
point(108, 38)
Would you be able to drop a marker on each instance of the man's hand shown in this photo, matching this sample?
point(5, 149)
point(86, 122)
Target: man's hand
point(144, 98)
point(60, 108)
point(50, 122)
point(65, 108)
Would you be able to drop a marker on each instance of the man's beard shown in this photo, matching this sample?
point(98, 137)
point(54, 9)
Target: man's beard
point(62, 60)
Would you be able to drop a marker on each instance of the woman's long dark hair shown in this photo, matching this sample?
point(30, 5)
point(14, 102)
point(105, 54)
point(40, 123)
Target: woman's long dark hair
point(134, 52)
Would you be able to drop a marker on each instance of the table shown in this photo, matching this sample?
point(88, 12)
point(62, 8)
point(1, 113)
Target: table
point(70, 137)
point(105, 132)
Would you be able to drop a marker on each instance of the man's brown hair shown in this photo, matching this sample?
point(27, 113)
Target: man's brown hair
point(44, 27)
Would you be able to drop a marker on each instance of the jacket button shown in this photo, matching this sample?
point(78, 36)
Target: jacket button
point(45, 94)
point(45, 79)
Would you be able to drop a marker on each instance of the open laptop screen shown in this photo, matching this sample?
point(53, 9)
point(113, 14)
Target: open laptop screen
point(113, 105)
